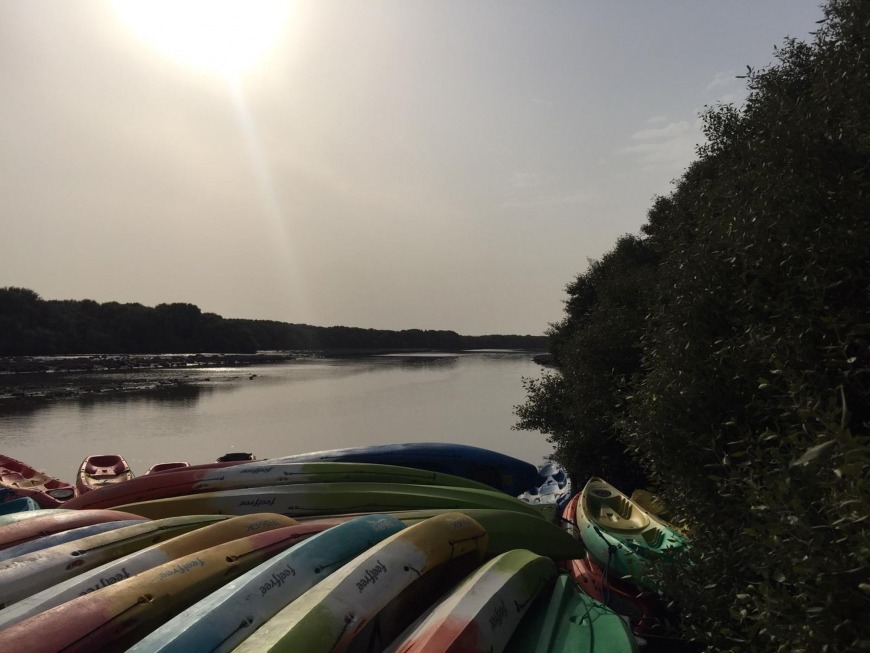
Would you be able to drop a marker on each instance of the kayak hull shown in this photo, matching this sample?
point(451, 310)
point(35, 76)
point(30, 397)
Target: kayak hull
point(105, 469)
point(328, 498)
point(374, 594)
point(22, 480)
point(212, 624)
point(481, 614)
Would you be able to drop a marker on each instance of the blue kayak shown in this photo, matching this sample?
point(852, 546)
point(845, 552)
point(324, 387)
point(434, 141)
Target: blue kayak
point(497, 470)
point(21, 504)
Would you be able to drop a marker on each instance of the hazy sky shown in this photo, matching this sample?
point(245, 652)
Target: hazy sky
point(447, 164)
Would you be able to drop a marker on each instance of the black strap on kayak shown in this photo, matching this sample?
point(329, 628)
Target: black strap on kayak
point(611, 550)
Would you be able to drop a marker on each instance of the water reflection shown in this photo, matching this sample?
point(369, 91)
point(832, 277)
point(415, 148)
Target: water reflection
point(281, 409)
point(177, 395)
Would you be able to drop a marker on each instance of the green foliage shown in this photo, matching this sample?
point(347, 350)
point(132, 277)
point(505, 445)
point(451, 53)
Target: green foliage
point(31, 326)
point(749, 405)
point(597, 350)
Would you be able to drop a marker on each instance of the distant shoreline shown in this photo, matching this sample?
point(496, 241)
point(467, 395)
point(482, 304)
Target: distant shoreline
point(62, 377)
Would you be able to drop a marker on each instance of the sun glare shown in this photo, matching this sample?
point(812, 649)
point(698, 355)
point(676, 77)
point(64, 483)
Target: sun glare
point(220, 37)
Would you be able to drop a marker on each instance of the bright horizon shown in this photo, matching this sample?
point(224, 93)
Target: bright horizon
point(390, 164)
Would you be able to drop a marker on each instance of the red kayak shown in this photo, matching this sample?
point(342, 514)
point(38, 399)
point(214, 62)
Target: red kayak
point(31, 529)
point(165, 467)
point(22, 480)
point(99, 471)
point(158, 485)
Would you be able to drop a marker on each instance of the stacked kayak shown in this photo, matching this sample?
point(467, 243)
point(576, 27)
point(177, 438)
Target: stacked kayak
point(547, 484)
point(97, 471)
point(21, 480)
point(622, 540)
point(307, 555)
point(620, 535)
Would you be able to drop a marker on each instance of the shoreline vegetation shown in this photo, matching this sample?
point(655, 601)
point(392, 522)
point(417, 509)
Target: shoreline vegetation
point(64, 377)
point(71, 348)
point(721, 359)
point(33, 326)
point(24, 378)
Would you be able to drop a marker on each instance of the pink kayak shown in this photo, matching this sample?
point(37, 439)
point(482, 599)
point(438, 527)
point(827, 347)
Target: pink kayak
point(31, 529)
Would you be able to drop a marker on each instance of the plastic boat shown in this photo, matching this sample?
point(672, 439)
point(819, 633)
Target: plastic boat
point(164, 467)
point(620, 535)
point(567, 621)
point(22, 480)
point(97, 471)
point(32, 572)
point(328, 498)
point(225, 618)
point(482, 613)
point(497, 470)
point(220, 531)
point(41, 524)
point(117, 616)
point(377, 592)
point(190, 480)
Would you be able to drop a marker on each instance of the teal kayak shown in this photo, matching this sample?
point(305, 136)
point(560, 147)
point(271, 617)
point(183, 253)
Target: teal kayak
point(621, 535)
point(568, 621)
point(226, 617)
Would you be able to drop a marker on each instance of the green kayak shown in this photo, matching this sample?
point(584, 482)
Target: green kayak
point(621, 535)
point(568, 621)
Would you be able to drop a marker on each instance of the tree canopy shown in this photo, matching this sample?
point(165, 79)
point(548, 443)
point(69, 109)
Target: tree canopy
point(722, 356)
point(30, 325)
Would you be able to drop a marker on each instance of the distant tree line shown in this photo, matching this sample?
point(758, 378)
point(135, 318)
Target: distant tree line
point(722, 357)
point(31, 326)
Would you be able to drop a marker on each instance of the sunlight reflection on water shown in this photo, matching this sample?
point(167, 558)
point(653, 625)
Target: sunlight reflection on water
point(275, 410)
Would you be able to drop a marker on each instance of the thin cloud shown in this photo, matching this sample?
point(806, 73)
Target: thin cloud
point(670, 146)
point(569, 199)
point(670, 131)
point(725, 78)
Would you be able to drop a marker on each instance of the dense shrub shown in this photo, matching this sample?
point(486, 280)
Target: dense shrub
point(749, 406)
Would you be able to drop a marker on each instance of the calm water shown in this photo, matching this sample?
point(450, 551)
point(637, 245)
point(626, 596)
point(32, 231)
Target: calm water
point(285, 409)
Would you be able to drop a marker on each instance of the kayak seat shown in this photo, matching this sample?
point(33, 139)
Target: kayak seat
point(14, 479)
point(106, 470)
point(653, 536)
point(616, 512)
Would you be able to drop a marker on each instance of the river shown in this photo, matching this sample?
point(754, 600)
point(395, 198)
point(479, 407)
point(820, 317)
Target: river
point(282, 409)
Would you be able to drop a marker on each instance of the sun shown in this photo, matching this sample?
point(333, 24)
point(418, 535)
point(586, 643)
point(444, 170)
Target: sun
point(219, 37)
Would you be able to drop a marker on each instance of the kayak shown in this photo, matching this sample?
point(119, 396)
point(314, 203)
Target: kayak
point(235, 457)
point(196, 481)
point(21, 504)
point(507, 530)
point(481, 614)
point(620, 535)
point(568, 621)
point(505, 473)
point(115, 617)
point(328, 498)
point(553, 486)
point(157, 485)
point(24, 481)
point(31, 572)
point(358, 603)
point(643, 609)
point(23, 515)
point(223, 619)
point(221, 531)
point(163, 467)
point(97, 471)
point(65, 536)
point(26, 530)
